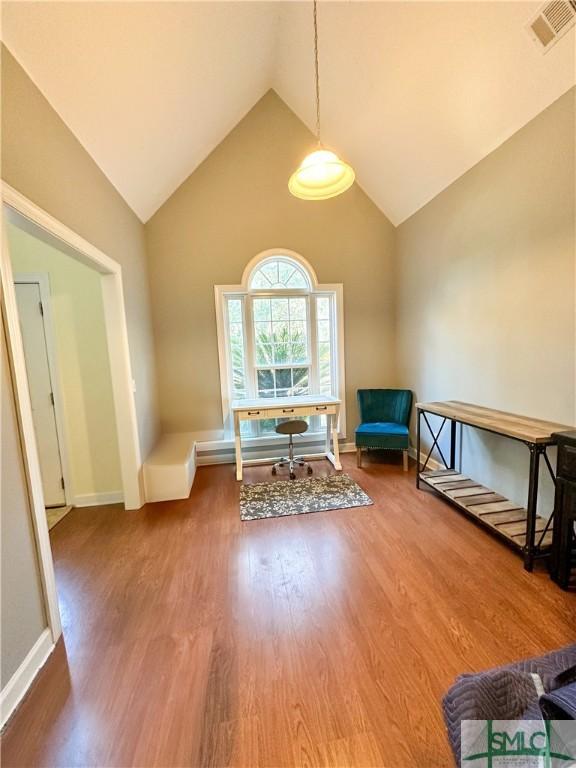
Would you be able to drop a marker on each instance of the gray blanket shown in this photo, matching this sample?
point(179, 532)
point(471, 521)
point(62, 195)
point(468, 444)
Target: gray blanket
point(506, 693)
point(560, 704)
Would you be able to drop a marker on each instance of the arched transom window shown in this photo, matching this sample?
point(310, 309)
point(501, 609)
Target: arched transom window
point(279, 273)
point(278, 335)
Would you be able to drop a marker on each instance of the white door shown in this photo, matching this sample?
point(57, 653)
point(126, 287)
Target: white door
point(41, 392)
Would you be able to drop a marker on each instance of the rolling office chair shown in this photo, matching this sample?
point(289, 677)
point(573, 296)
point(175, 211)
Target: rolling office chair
point(291, 428)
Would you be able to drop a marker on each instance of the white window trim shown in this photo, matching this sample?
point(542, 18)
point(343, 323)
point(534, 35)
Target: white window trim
point(274, 253)
point(221, 292)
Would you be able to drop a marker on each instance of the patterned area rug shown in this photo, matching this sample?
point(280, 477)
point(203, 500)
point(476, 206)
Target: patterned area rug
point(296, 497)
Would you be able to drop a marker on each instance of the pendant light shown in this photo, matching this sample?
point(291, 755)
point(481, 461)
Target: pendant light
point(321, 174)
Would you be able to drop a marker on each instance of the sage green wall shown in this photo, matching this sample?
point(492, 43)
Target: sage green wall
point(486, 292)
point(83, 364)
point(44, 161)
point(235, 205)
point(22, 601)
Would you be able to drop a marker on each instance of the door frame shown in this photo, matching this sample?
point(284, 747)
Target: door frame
point(120, 365)
point(42, 280)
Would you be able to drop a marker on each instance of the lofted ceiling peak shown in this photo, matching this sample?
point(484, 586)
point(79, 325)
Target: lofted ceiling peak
point(413, 93)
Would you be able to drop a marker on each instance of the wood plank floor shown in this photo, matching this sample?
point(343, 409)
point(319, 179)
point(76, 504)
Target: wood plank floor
point(193, 639)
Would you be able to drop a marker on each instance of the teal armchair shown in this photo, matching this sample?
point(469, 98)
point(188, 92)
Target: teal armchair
point(385, 415)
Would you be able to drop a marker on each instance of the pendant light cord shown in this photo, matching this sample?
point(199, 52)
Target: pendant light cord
point(317, 74)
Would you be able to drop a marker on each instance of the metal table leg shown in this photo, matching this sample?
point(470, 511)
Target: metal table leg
point(452, 444)
point(418, 417)
point(531, 506)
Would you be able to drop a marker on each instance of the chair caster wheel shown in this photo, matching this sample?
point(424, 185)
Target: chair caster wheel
point(273, 470)
point(309, 470)
point(292, 476)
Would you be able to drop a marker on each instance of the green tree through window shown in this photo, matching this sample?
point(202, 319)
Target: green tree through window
point(280, 337)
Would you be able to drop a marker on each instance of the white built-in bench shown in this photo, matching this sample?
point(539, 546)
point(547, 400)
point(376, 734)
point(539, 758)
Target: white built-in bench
point(169, 470)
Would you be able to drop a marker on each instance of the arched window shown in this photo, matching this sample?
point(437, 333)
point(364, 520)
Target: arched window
point(278, 335)
point(279, 273)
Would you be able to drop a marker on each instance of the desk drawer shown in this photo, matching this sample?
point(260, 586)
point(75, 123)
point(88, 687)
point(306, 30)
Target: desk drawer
point(289, 412)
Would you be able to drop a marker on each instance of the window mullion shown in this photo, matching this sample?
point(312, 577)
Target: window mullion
point(249, 342)
point(228, 354)
point(334, 347)
point(313, 336)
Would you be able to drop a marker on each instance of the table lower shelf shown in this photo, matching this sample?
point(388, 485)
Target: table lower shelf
point(494, 511)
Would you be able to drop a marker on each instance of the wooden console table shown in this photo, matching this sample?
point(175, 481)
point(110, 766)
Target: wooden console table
point(517, 525)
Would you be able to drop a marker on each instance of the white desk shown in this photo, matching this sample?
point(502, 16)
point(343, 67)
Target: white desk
point(292, 408)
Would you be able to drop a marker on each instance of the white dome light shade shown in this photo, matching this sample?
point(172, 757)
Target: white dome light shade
point(321, 175)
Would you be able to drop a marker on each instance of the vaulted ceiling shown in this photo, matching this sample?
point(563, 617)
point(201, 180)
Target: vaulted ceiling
point(413, 93)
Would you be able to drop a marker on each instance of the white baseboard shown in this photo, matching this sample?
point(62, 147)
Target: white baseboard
point(97, 499)
point(227, 457)
point(22, 679)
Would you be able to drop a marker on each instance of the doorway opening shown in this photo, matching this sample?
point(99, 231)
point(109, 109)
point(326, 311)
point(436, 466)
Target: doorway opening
point(67, 361)
point(27, 217)
point(62, 324)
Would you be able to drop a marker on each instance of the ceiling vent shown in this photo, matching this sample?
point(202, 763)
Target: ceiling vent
point(552, 22)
